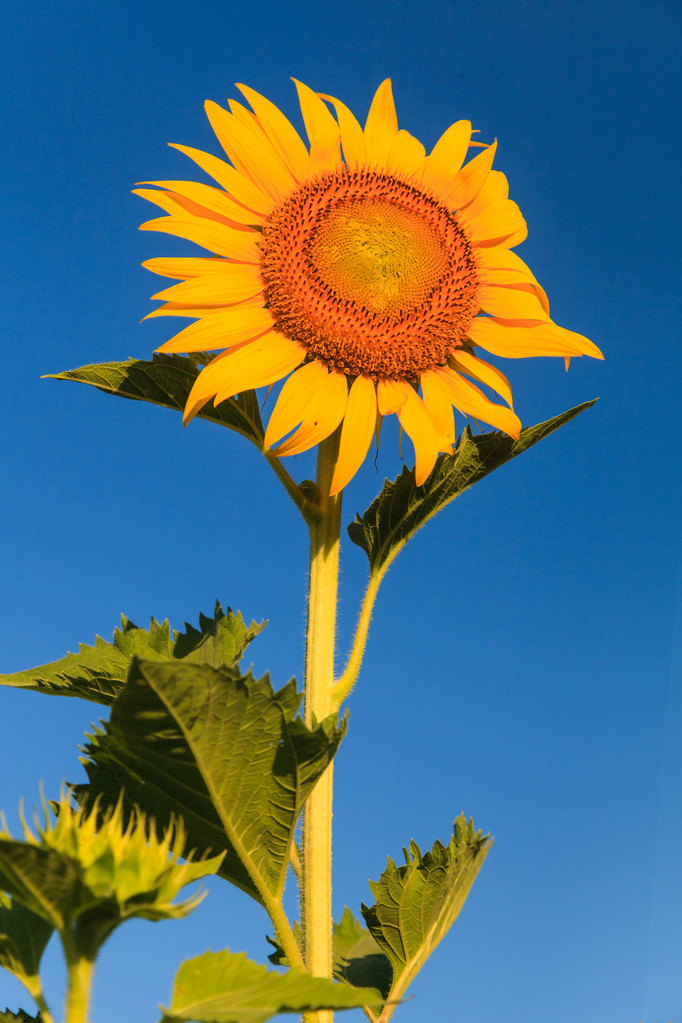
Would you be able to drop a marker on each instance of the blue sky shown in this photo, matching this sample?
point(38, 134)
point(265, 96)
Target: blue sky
point(524, 658)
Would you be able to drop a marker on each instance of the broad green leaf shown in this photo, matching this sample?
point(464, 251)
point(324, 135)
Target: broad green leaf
point(402, 507)
point(98, 672)
point(46, 881)
point(23, 937)
point(416, 904)
point(218, 641)
point(167, 380)
point(221, 987)
point(19, 1017)
point(358, 959)
point(223, 751)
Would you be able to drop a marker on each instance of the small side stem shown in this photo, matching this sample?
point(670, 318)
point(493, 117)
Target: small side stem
point(307, 508)
point(342, 688)
point(284, 933)
point(319, 676)
point(43, 1007)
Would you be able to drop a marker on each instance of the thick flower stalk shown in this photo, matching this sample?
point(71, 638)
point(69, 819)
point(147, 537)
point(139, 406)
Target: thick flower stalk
point(358, 270)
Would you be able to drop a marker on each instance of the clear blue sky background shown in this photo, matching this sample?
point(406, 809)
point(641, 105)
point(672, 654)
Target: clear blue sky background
point(524, 659)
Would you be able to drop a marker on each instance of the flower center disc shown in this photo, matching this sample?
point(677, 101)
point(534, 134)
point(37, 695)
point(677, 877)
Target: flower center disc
point(378, 255)
point(370, 274)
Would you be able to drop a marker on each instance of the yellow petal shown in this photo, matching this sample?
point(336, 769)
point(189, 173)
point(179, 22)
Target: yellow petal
point(236, 283)
point(238, 186)
point(182, 267)
point(504, 268)
point(482, 371)
point(352, 135)
point(470, 180)
point(210, 198)
point(357, 431)
point(391, 395)
point(281, 133)
point(439, 407)
point(258, 363)
point(218, 238)
point(179, 206)
point(323, 132)
point(223, 329)
point(495, 187)
point(418, 425)
point(312, 399)
point(406, 155)
point(495, 225)
point(161, 199)
point(514, 340)
point(512, 303)
point(381, 126)
point(446, 160)
point(251, 152)
point(542, 296)
point(205, 311)
point(471, 401)
point(519, 236)
point(241, 114)
point(500, 265)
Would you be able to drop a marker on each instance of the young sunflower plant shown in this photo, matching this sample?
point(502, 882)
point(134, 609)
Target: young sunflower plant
point(360, 277)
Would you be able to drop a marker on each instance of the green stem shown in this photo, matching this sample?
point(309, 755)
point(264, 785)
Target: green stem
point(297, 493)
point(43, 1007)
point(342, 688)
point(80, 970)
point(316, 907)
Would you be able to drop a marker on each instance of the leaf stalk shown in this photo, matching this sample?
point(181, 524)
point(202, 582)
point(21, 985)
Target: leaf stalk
point(307, 508)
point(342, 688)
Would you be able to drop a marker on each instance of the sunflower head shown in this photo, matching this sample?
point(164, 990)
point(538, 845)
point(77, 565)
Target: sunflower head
point(123, 862)
point(357, 269)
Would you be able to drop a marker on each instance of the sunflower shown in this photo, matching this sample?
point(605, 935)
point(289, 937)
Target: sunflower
point(359, 269)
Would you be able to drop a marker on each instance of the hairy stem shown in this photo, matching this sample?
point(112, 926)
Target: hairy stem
point(319, 677)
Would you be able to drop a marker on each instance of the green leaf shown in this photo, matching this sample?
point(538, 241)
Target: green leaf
point(98, 672)
point(358, 959)
point(223, 751)
point(402, 507)
point(221, 640)
point(46, 881)
point(221, 987)
point(19, 1017)
point(167, 380)
point(23, 938)
point(416, 904)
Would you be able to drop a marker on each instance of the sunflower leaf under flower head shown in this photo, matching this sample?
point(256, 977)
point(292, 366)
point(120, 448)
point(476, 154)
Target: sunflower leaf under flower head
point(358, 270)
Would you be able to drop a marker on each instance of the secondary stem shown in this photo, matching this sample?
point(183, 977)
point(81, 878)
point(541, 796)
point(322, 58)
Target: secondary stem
point(44, 1010)
point(342, 688)
point(319, 677)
